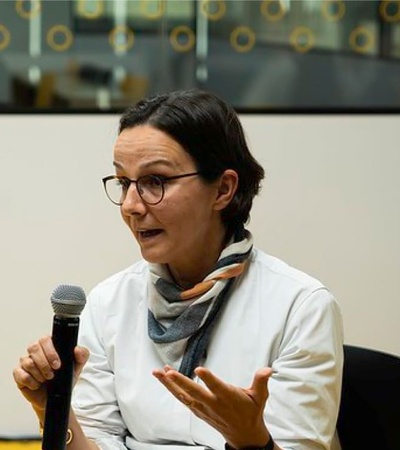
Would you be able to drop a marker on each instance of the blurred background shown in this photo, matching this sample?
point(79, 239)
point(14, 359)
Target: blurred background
point(101, 55)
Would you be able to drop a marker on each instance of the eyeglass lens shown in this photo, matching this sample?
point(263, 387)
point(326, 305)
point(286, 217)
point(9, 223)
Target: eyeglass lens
point(149, 187)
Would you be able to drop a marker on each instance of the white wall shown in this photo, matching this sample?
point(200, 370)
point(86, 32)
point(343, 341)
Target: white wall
point(330, 206)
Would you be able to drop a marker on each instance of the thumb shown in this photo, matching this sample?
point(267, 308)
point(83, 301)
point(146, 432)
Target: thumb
point(81, 356)
point(259, 386)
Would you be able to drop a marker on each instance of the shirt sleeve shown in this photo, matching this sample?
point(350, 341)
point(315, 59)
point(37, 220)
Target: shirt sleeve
point(94, 399)
point(305, 389)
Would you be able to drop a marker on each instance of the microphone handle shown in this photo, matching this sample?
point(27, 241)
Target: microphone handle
point(59, 389)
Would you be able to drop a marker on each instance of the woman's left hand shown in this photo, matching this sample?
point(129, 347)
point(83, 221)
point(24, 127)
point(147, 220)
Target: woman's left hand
point(235, 412)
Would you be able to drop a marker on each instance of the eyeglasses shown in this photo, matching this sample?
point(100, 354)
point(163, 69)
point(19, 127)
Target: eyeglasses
point(151, 188)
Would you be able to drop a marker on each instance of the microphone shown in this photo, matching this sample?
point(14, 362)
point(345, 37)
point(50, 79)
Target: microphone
point(67, 302)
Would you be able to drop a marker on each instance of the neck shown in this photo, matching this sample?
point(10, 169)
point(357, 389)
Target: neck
point(189, 273)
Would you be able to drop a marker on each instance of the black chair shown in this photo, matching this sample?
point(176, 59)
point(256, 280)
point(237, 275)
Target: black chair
point(369, 416)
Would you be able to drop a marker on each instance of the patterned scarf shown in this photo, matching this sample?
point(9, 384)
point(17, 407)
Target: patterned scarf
point(180, 322)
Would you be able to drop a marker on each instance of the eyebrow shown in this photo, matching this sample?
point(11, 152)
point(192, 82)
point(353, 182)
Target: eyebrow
point(164, 162)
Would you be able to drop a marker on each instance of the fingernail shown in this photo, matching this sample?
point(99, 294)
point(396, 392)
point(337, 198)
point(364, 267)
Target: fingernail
point(55, 364)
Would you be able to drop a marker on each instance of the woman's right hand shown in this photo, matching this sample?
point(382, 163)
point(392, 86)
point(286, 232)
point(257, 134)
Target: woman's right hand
point(39, 366)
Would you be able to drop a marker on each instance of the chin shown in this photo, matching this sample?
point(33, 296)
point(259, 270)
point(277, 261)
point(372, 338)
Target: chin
point(153, 257)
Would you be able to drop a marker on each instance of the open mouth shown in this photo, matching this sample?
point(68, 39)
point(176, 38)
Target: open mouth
point(149, 233)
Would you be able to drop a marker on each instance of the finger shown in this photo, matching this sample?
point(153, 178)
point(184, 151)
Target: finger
point(28, 365)
point(81, 356)
point(44, 348)
point(259, 386)
point(40, 360)
point(24, 380)
point(174, 389)
point(183, 388)
point(189, 386)
point(173, 378)
point(214, 384)
point(170, 379)
point(51, 353)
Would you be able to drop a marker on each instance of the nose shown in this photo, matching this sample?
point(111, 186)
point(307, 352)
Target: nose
point(133, 203)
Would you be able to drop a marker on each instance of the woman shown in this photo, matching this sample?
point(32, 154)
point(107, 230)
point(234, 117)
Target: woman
point(204, 314)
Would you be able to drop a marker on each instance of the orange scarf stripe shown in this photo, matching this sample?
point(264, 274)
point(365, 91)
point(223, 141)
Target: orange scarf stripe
point(197, 290)
point(232, 272)
point(205, 286)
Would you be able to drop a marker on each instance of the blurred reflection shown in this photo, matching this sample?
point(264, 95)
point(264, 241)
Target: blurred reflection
point(104, 54)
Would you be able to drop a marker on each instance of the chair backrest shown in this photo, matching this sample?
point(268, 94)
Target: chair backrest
point(369, 416)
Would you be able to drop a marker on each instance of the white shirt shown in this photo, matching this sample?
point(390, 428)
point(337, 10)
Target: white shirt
point(276, 316)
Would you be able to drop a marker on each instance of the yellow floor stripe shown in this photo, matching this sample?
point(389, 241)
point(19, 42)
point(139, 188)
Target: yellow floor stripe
point(20, 445)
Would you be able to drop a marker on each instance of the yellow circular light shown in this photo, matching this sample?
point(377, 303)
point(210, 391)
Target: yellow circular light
point(243, 31)
point(68, 38)
point(129, 38)
point(152, 15)
point(302, 32)
point(33, 12)
point(266, 11)
point(182, 30)
point(218, 14)
point(369, 39)
point(5, 37)
point(95, 14)
point(328, 15)
point(383, 10)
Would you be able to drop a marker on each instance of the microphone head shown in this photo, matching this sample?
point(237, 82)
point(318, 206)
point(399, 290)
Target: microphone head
point(68, 301)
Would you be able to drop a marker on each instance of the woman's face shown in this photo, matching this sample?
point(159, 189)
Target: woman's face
point(184, 230)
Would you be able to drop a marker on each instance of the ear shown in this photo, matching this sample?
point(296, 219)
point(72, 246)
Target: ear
point(227, 186)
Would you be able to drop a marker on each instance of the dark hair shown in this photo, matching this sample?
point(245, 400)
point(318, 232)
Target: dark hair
point(210, 131)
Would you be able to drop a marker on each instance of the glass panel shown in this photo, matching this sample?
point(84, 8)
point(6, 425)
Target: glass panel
point(103, 55)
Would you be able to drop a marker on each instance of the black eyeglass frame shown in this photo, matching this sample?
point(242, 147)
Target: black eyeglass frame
point(159, 178)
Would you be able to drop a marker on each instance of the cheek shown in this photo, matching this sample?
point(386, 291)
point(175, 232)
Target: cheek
point(183, 209)
point(190, 208)
point(169, 212)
